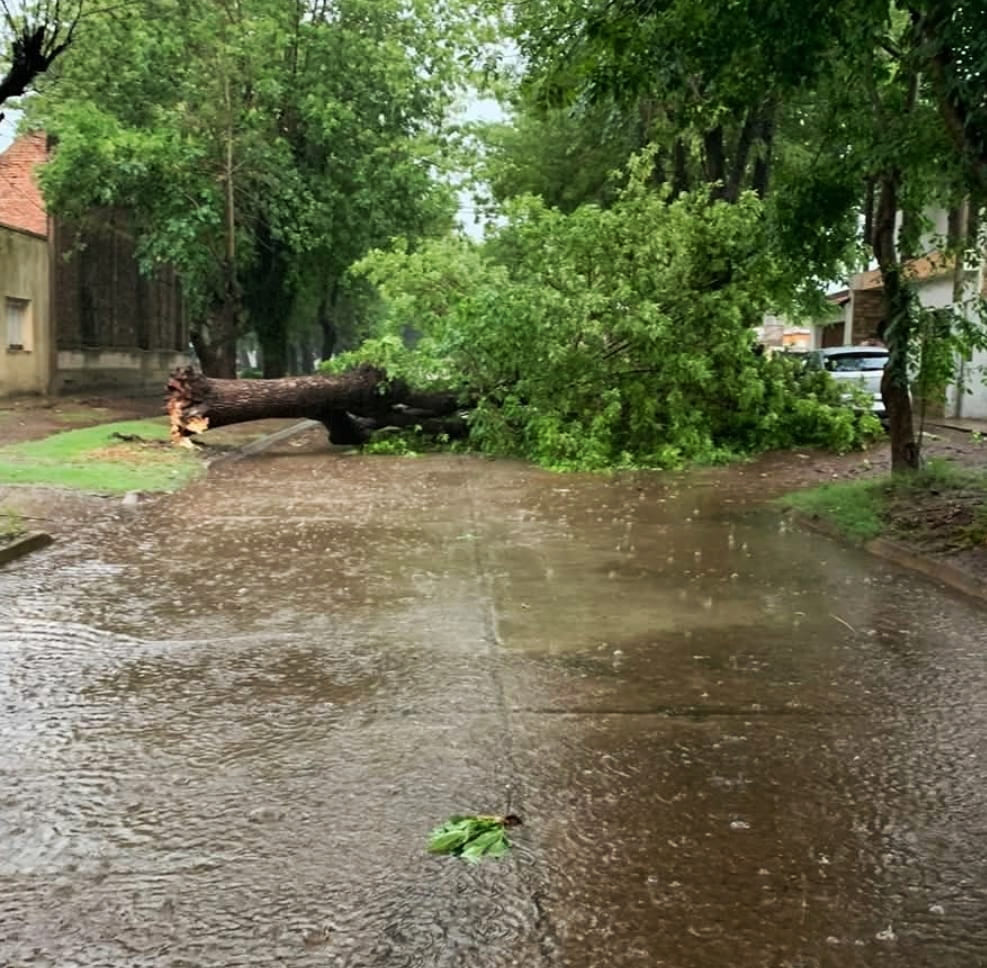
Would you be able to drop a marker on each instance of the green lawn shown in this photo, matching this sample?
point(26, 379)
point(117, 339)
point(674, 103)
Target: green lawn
point(855, 507)
point(942, 506)
point(91, 459)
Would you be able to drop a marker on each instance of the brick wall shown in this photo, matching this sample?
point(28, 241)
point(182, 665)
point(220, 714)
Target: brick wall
point(868, 312)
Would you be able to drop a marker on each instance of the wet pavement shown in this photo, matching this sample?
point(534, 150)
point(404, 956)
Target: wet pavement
point(229, 718)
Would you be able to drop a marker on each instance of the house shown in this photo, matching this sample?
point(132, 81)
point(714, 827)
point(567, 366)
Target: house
point(78, 315)
point(939, 285)
point(857, 312)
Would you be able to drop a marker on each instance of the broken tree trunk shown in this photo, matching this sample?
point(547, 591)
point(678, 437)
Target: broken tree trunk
point(350, 405)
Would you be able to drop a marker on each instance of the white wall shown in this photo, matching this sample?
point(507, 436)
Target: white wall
point(933, 236)
point(8, 126)
point(972, 402)
point(936, 293)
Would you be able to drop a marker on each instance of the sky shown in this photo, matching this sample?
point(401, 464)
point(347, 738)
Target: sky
point(7, 127)
point(476, 109)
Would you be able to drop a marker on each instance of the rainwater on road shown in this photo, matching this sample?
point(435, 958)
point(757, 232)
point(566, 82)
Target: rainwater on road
point(229, 719)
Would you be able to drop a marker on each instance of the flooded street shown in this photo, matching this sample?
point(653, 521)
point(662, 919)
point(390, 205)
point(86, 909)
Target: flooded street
point(229, 719)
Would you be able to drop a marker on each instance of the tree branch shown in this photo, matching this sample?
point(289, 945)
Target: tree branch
point(33, 50)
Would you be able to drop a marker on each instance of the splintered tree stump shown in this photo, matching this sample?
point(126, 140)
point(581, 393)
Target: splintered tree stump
point(350, 405)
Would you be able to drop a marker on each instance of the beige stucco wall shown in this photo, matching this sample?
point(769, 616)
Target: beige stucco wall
point(116, 370)
point(24, 275)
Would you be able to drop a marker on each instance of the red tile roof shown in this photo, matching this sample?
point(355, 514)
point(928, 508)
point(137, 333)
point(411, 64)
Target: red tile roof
point(21, 204)
point(926, 267)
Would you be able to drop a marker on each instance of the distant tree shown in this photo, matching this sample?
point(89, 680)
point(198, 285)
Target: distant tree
point(30, 41)
point(262, 147)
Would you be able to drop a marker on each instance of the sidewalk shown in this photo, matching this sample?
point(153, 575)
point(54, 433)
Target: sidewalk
point(972, 426)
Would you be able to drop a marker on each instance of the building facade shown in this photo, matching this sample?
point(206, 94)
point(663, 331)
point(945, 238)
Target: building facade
point(78, 313)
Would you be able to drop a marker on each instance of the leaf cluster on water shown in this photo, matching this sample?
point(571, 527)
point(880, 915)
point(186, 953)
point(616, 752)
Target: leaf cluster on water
point(472, 838)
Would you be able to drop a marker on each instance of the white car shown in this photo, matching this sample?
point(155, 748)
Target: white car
point(860, 365)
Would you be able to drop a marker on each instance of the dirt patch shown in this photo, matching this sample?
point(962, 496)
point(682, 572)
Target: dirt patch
point(939, 522)
point(11, 526)
point(31, 418)
point(940, 515)
point(780, 472)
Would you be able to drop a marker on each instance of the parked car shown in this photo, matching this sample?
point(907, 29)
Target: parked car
point(862, 366)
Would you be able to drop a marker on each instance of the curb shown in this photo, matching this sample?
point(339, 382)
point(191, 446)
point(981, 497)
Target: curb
point(904, 556)
point(263, 443)
point(946, 425)
point(24, 545)
point(940, 571)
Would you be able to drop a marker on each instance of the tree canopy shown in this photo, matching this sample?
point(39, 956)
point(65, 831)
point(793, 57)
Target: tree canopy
point(836, 114)
point(262, 147)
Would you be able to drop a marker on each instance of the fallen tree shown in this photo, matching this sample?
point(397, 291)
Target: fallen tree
point(350, 405)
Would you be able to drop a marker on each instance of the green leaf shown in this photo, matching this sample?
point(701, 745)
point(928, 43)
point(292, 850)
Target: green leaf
point(472, 837)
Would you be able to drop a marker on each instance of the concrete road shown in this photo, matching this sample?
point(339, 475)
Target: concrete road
point(229, 719)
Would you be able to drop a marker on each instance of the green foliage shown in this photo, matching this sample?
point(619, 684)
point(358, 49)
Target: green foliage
point(565, 157)
point(824, 108)
point(472, 838)
point(606, 338)
point(944, 339)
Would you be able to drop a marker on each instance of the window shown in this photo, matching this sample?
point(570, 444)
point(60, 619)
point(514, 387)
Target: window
point(18, 324)
point(856, 362)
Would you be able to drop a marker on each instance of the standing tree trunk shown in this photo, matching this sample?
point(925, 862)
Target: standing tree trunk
point(742, 150)
point(215, 344)
point(898, 328)
point(217, 350)
point(680, 169)
point(306, 355)
point(766, 127)
point(714, 160)
point(273, 352)
point(327, 324)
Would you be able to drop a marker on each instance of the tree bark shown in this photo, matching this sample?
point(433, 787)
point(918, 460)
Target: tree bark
point(215, 344)
point(680, 169)
point(715, 160)
point(350, 405)
point(327, 324)
point(742, 151)
point(766, 126)
point(273, 352)
point(306, 354)
point(956, 96)
point(869, 199)
point(897, 332)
